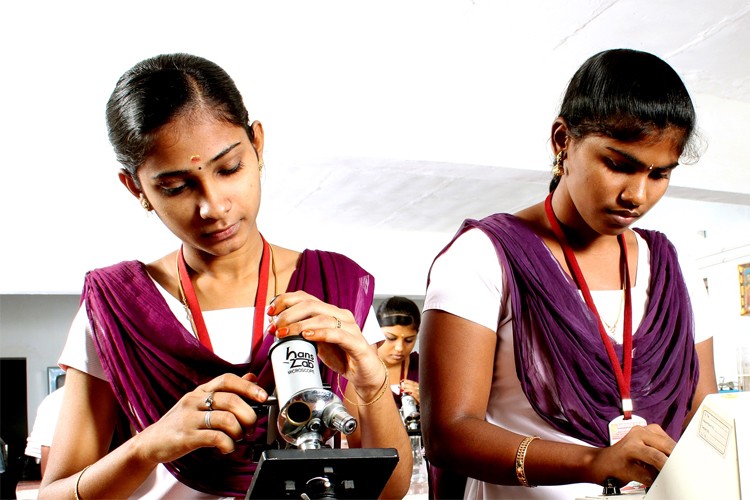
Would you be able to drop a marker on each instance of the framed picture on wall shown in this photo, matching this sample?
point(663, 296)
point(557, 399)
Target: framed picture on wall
point(55, 378)
point(744, 270)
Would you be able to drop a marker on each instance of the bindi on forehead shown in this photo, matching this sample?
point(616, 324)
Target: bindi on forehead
point(639, 162)
point(196, 159)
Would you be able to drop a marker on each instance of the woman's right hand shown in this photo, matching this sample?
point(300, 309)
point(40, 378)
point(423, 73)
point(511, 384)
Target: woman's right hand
point(639, 456)
point(341, 345)
point(410, 387)
point(185, 427)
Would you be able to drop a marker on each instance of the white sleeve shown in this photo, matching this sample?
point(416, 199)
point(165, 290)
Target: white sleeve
point(79, 351)
point(467, 280)
point(702, 310)
point(44, 423)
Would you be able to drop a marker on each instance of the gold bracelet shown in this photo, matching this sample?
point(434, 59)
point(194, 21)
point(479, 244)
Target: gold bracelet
point(521, 459)
point(78, 482)
point(380, 394)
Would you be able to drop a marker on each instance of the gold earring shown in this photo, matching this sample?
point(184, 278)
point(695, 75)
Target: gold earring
point(260, 165)
point(145, 204)
point(557, 168)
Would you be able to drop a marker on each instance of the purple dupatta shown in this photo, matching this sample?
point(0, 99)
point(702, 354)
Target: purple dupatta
point(151, 360)
point(560, 359)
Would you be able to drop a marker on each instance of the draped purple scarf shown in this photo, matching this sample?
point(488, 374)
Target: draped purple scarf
point(151, 360)
point(560, 359)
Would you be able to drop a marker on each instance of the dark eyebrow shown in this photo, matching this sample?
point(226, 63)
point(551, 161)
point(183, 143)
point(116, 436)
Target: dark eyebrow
point(224, 152)
point(173, 173)
point(177, 173)
point(633, 159)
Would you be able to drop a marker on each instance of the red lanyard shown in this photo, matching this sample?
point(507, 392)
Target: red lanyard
point(196, 316)
point(622, 374)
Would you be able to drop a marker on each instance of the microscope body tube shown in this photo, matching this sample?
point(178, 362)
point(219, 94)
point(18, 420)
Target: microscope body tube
point(295, 367)
point(410, 412)
point(309, 414)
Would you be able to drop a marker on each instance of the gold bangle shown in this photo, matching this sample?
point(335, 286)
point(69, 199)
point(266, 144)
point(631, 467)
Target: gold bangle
point(521, 459)
point(78, 482)
point(377, 398)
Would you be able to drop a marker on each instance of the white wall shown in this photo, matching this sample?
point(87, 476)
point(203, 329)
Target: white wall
point(35, 327)
point(731, 331)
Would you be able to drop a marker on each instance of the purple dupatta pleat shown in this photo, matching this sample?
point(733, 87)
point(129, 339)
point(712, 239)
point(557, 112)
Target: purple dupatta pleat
point(560, 359)
point(151, 360)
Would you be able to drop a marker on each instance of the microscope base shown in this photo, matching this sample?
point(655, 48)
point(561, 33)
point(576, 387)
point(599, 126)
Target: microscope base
point(322, 473)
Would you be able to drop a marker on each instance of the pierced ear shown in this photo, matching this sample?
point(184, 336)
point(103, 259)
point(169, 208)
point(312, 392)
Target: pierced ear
point(560, 135)
point(130, 183)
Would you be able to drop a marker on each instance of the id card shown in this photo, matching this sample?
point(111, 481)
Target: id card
point(619, 427)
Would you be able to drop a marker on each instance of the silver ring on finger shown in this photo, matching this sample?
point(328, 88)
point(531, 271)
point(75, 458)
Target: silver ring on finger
point(338, 322)
point(209, 401)
point(208, 419)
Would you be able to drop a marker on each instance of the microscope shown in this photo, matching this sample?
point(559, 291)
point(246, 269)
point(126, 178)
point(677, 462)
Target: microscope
point(410, 414)
point(309, 415)
point(410, 417)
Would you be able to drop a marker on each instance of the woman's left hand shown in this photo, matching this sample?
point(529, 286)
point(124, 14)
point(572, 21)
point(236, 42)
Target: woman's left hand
point(341, 345)
point(410, 387)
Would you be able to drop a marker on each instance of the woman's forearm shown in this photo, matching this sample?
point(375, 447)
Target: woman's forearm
point(380, 426)
point(486, 452)
point(116, 475)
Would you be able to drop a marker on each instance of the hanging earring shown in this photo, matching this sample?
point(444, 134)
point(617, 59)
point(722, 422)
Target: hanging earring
point(260, 165)
point(557, 168)
point(145, 204)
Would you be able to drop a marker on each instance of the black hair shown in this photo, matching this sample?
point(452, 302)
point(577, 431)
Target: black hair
point(156, 91)
point(398, 311)
point(628, 95)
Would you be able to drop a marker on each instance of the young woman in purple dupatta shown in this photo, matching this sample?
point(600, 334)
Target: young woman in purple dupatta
point(179, 347)
point(563, 347)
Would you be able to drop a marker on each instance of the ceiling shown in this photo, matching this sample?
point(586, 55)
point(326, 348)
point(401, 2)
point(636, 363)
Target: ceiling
point(387, 123)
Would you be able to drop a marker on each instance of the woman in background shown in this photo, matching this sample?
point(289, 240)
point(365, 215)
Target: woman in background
point(564, 347)
point(179, 347)
point(399, 320)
